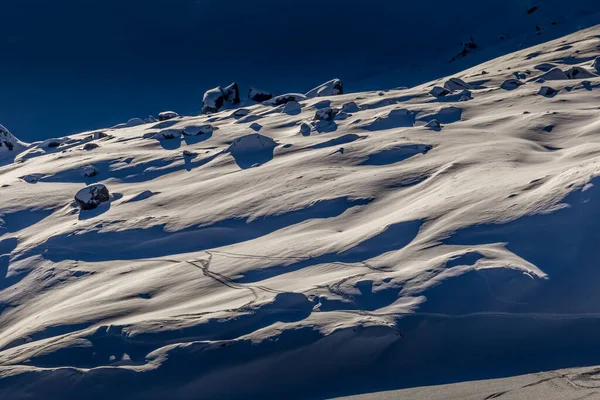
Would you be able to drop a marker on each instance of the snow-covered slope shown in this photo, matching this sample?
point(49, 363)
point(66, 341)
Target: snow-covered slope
point(411, 240)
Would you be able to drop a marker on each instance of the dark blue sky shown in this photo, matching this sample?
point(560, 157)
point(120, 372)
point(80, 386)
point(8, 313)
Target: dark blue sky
point(72, 65)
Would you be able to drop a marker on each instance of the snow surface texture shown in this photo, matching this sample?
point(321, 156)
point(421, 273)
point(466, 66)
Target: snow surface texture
point(374, 249)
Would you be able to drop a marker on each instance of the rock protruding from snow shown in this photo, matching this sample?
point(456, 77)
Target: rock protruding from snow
point(292, 108)
point(90, 146)
point(195, 130)
point(92, 196)
point(285, 98)
point(326, 114)
point(135, 122)
point(453, 84)
point(555, 74)
point(99, 135)
point(434, 125)
point(7, 140)
point(259, 95)
point(213, 101)
point(596, 64)
point(52, 143)
point(305, 129)
point(333, 87)
point(547, 91)
point(169, 134)
point(252, 150)
point(256, 127)
point(511, 84)
point(89, 171)
point(579, 73)
point(439, 91)
point(167, 115)
point(231, 93)
point(251, 143)
point(350, 107)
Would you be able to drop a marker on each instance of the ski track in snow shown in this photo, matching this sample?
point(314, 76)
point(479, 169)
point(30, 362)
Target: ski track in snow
point(339, 254)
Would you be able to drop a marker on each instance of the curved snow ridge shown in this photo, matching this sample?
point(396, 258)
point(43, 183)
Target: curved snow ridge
point(340, 227)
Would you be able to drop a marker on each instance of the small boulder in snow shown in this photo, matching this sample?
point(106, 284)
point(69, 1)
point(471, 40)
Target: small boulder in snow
point(240, 112)
point(135, 122)
point(212, 101)
point(231, 93)
point(305, 129)
point(547, 91)
point(292, 108)
point(189, 153)
point(350, 107)
point(333, 87)
point(326, 114)
point(285, 98)
point(256, 127)
point(434, 125)
point(456, 84)
point(252, 143)
point(195, 130)
point(90, 146)
point(555, 74)
point(168, 134)
point(89, 171)
point(99, 135)
point(52, 143)
point(439, 91)
point(92, 196)
point(579, 73)
point(259, 95)
point(511, 84)
point(166, 115)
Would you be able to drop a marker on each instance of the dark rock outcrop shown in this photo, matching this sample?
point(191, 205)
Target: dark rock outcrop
point(259, 95)
point(92, 196)
point(231, 93)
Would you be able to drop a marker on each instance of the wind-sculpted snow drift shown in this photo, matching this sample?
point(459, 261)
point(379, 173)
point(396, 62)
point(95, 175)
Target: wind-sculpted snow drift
point(354, 244)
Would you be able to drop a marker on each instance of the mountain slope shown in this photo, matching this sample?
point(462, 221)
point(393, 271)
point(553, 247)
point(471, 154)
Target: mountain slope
point(409, 241)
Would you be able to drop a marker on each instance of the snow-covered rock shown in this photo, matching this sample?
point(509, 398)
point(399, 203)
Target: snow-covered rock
point(259, 95)
point(554, 74)
point(434, 124)
point(350, 107)
point(212, 101)
point(231, 94)
point(333, 87)
point(511, 84)
point(326, 114)
point(292, 108)
point(194, 130)
point(439, 91)
point(92, 196)
point(596, 64)
point(579, 73)
point(167, 115)
point(135, 122)
point(90, 146)
point(90, 171)
point(285, 98)
point(169, 133)
point(7, 141)
point(454, 84)
point(547, 91)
